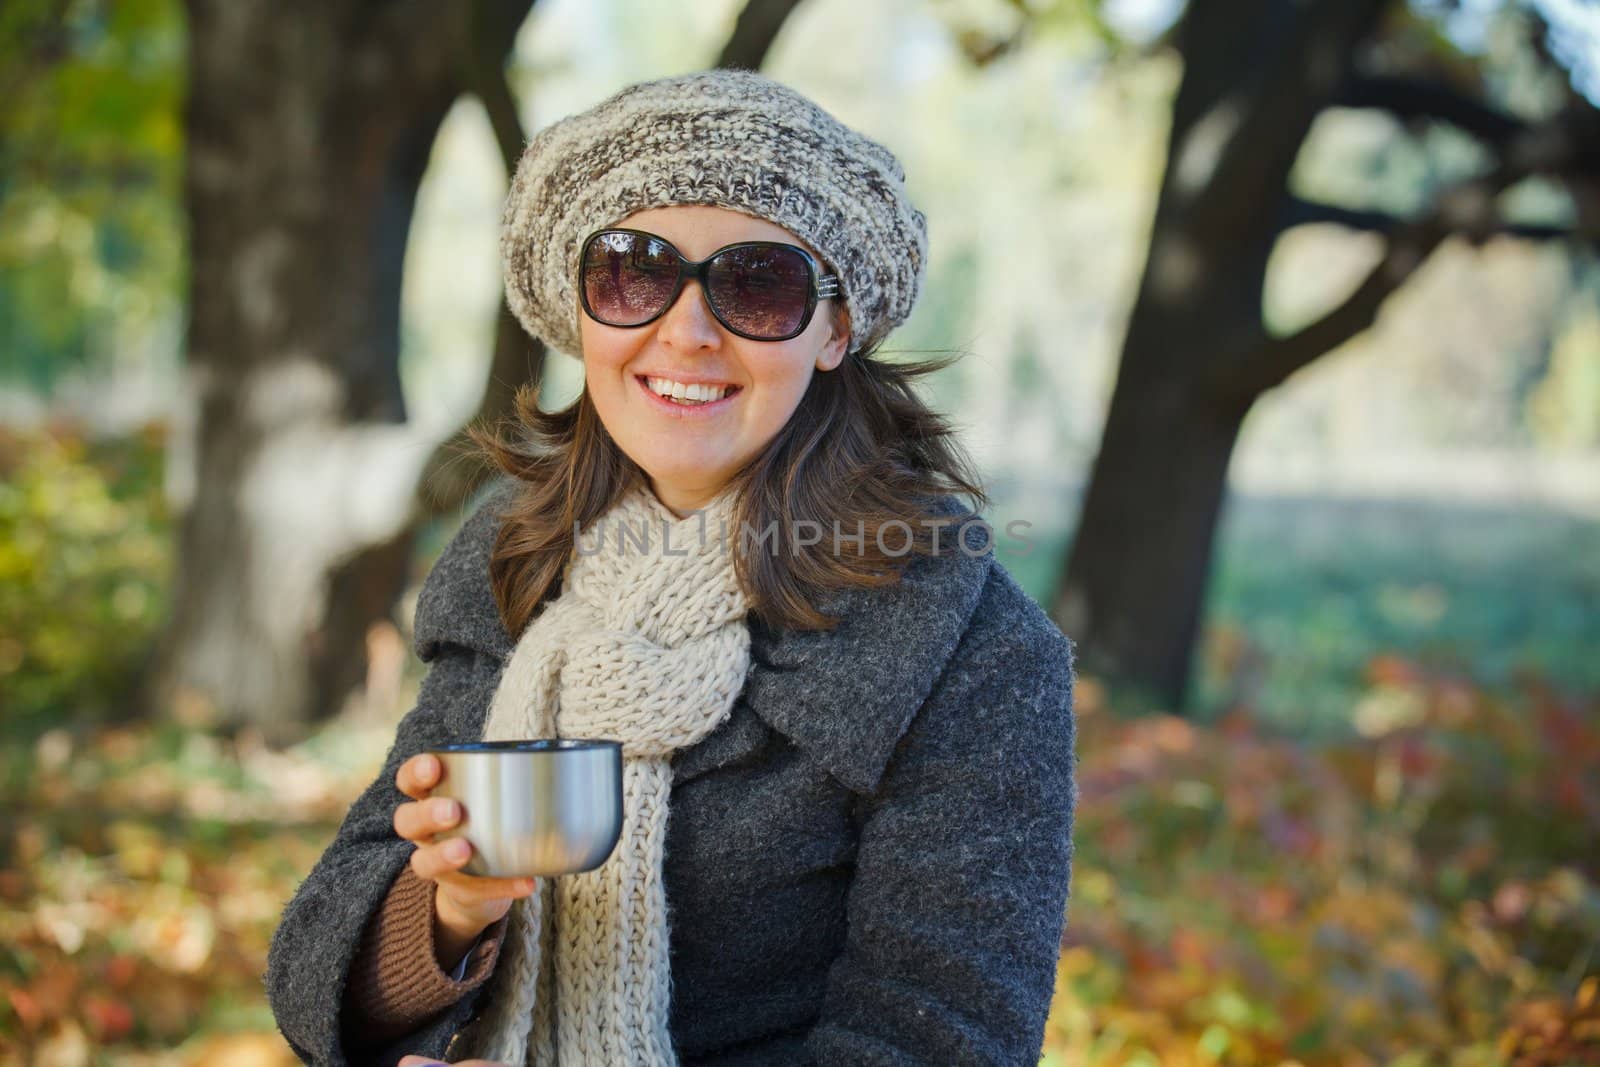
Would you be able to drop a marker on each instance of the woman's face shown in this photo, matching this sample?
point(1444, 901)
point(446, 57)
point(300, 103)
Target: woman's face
point(690, 453)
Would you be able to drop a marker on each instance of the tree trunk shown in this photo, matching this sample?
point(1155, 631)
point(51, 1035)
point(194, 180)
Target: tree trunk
point(1141, 556)
point(308, 133)
point(1256, 73)
point(308, 137)
point(753, 33)
point(452, 474)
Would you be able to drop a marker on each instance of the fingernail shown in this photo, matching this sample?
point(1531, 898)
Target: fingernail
point(457, 849)
point(428, 767)
point(444, 810)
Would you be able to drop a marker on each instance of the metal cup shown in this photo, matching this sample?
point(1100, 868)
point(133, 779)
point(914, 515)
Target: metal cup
point(534, 808)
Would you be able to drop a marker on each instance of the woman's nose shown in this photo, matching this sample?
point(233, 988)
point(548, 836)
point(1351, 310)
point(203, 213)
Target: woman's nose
point(688, 323)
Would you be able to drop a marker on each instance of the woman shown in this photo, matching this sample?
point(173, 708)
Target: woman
point(847, 733)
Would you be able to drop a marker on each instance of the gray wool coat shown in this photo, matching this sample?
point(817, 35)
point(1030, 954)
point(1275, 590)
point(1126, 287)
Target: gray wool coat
point(866, 863)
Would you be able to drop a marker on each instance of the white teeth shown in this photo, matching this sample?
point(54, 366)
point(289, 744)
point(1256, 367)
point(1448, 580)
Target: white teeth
point(693, 393)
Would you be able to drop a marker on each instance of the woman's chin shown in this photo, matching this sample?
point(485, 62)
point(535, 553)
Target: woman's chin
point(684, 480)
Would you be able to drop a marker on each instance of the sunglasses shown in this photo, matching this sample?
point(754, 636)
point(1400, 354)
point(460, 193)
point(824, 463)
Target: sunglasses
point(759, 290)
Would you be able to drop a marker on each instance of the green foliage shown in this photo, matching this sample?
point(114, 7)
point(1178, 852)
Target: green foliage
point(1308, 594)
point(85, 559)
point(90, 171)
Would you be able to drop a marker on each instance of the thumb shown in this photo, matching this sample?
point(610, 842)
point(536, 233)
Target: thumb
point(420, 1061)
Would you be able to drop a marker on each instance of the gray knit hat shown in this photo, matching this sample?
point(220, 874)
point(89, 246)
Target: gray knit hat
point(730, 138)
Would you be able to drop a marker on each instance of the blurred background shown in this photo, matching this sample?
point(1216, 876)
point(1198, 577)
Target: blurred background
point(1280, 328)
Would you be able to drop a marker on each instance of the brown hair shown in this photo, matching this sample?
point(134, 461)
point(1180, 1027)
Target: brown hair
point(861, 450)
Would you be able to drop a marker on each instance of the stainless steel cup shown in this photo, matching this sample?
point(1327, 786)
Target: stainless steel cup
point(534, 808)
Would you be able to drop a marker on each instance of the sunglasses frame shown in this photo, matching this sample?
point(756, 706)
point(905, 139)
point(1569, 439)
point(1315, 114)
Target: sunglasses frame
point(822, 286)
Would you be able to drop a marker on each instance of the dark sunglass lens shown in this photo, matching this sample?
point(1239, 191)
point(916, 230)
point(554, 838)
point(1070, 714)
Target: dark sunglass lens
point(627, 278)
point(760, 290)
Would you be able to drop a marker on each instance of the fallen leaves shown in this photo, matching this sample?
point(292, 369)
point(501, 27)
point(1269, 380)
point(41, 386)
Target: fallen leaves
point(145, 871)
point(1427, 891)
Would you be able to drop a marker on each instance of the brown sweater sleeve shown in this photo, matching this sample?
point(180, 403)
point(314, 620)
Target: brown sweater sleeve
point(396, 982)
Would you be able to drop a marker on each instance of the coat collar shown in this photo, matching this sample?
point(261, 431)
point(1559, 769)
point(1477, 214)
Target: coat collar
point(844, 696)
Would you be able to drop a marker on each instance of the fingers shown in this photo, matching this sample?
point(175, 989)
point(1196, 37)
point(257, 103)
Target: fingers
point(434, 861)
point(419, 820)
point(442, 863)
point(468, 910)
point(424, 817)
point(418, 775)
point(468, 889)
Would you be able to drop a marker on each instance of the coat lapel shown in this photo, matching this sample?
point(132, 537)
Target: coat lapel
point(846, 696)
point(741, 737)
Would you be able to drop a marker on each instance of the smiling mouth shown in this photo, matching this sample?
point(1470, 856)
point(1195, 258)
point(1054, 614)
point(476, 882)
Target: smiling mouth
point(693, 396)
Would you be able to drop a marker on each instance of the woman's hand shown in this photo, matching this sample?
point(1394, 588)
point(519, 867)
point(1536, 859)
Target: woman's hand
point(423, 1061)
point(463, 904)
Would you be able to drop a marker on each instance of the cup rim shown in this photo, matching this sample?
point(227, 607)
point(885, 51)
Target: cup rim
point(548, 744)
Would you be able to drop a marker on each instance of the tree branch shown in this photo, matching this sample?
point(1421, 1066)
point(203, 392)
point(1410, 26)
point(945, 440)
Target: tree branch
point(451, 473)
point(1248, 97)
point(754, 32)
point(1416, 98)
point(1276, 358)
point(490, 27)
point(1305, 212)
point(1562, 145)
point(1300, 212)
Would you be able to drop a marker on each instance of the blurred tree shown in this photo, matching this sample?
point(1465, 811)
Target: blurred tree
point(308, 138)
point(1197, 354)
point(447, 482)
point(308, 133)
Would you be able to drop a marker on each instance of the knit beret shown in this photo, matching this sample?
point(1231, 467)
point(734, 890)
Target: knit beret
point(730, 138)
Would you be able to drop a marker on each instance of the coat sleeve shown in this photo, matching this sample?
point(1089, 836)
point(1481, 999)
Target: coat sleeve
point(959, 899)
point(309, 962)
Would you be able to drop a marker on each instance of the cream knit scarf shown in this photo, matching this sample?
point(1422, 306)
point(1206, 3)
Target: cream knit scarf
point(647, 645)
